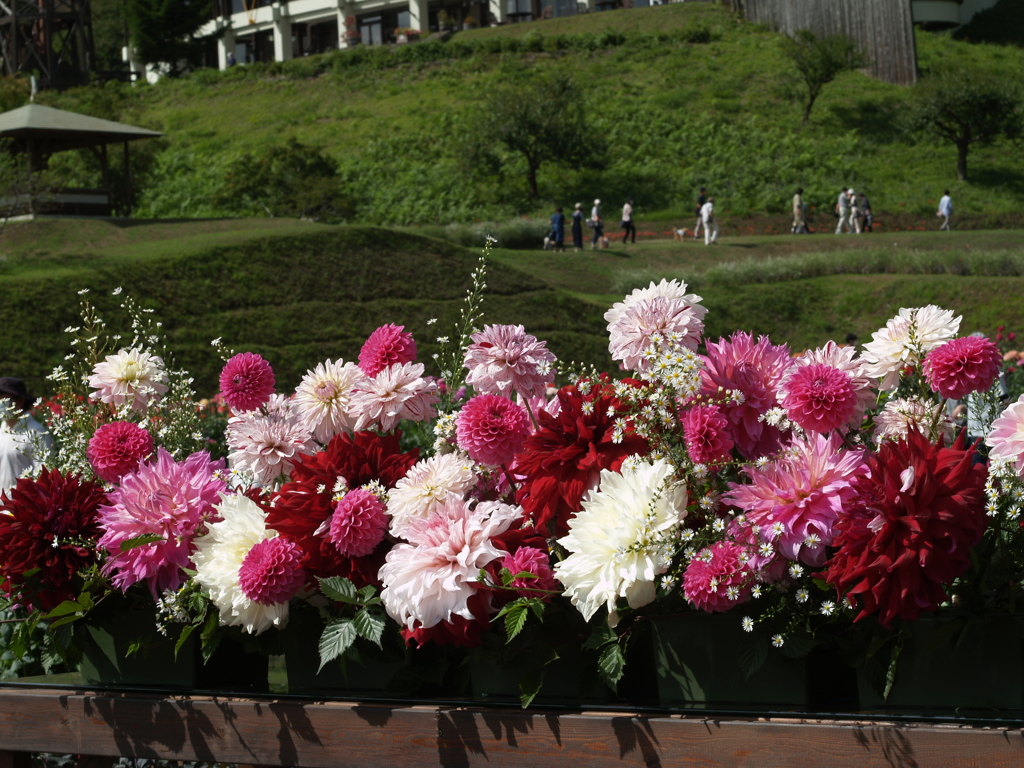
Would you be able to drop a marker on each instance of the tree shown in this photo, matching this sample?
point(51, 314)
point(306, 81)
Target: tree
point(163, 32)
point(542, 120)
point(818, 60)
point(966, 107)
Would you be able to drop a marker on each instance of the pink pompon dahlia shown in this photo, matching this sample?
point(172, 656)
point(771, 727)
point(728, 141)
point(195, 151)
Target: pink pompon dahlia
point(1006, 439)
point(962, 366)
point(117, 448)
point(396, 393)
point(166, 499)
point(718, 577)
point(504, 359)
point(532, 561)
point(358, 524)
point(246, 382)
point(272, 571)
point(820, 398)
point(705, 430)
point(387, 346)
point(492, 429)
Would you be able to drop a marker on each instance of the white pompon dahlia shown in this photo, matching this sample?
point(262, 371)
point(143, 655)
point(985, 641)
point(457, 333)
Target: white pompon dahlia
point(426, 485)
point(622, 539)
point(132, 376)
point(323, 398)
point(905, 340)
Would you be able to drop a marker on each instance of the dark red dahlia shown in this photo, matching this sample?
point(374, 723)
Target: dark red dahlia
point(920, 510)
point(303, 505)
point(563, 459)
point(49, 524)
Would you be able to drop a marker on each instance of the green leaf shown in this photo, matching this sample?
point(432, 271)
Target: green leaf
point(339, 589)
point(66, 620)
point(611, 664)
point(369, 626)
point(185, 633)
point(890, 673)
point(601, 636)
point(366, 593)
point(140, 541)
point(530, 686)
point(515, 619)
point(337, 638)
point(68, 606)
point(753, 652)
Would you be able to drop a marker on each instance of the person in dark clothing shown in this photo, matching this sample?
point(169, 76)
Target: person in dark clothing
point(577, 228)
point(628, 227)
point(865, 210)
point(558, 228)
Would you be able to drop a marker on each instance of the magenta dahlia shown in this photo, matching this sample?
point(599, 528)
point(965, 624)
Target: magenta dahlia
point(118, 448)
point(820, 398)
point(386, 346)
point(272, 571)
point(961, 366)
point(535, 562)
point(718, 577)
point(492, 429)
point(358, 524)
point(705, 430)
point(246, 382)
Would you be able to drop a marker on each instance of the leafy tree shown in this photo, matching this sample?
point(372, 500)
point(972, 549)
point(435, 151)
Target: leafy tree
point(818, 60)
point(163, 31)
point(966, 107)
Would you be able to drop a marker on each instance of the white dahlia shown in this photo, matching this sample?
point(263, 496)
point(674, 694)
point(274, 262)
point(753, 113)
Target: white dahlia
point(132, 376)
point(323, 398)
point(900, 415)
point(267, 444)
point(426, 485)
point(396, 393)
point(622, 539)
point(905, 340)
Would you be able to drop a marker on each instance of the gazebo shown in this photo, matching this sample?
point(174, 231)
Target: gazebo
point(39, 132)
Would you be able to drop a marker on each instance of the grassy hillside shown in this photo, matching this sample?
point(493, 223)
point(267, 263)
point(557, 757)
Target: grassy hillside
point(682, 95)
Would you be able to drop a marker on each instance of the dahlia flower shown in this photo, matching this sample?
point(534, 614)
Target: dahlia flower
point(848, 390)
point(921, 509)
point(427, 485)
point(797, 499)
point(659, 322)
point(622, 539)
point(905, 340)
point(268, 444)
point(117, 448)
point(48, 524)
point(358, 524)
point(666, 289)
point(385, 347)
point(492, 429)
point(431, 579)
point(504, 359)
point(1006, 438)
point(249, 572)
point(706, 435)
point(323, 398)
point(563, 459)
point(396, 393)
point(756, 370)
point(718, 577)
point(246, 382)
point(533, 561)
point(962, 366)
point(902, 415)
point(132, 377)
point(161, 498)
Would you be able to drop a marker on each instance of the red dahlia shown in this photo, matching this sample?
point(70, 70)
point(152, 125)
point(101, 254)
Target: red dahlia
point(920, 510)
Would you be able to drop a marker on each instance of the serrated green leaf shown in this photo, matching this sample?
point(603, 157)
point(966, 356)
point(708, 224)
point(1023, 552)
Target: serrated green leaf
point(601, 636)
point(530, 686)
point(506, 577)
point(537, 606)
point(515, 620)
point(369, 626)
point(68, 606)
point(134, 647)
point(366, 593)
point(611, 664)
point(85, 600)
point(339, 589)
point(338, 636)
point(140, 541)
point(525, 575)
point(66, 620)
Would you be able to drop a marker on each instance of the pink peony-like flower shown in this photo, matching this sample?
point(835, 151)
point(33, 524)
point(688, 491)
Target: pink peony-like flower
point(962, 366)
point(246, 382)
point(385, 347)
point(492, 429)
point(661, 322)
point(272, 572)
point(796, 500)
point(718, 578)
point(756, 370)
point(820, 398)
point(396, 393)
point(117, 448)
point(1006, 439)
point(535, 561)
point(162, 498)
point(358, 524)
point(706, 432)
point(504, 359)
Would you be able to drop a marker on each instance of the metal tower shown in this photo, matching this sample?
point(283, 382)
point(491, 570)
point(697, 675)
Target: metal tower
point(51, 39)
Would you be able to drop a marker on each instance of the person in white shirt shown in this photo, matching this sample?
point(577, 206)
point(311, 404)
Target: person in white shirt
point(843, 207)
point(945, 210)
point(597, 223)
point(23, 440)
point(855, 211)
point(707, 217)
point(628, 227)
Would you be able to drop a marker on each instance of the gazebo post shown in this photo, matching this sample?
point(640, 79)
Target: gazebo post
point(127, 180)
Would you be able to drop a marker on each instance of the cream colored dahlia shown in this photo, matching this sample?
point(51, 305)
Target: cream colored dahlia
point(323, 398)
point(905, 340)
point(132, 376)
point(666, 289)
point(427, 485)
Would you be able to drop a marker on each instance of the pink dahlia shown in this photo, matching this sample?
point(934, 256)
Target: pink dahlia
point(272, 571)
point(117, 448)
point(246, 382)
point(718, 577)
point(962, 366)
point(756, 370)
point(664, 323)
point(358, 524)
point(492, 429)
point(504, 359)
point(165, 499)
point(385, 347)
point(1006, 439)
point(533, 561)
point(820, 398)
point(668, 289)
point(396, 393)
point(267, 445)
point(796, 500)
point(850, 370)
point(705, 430)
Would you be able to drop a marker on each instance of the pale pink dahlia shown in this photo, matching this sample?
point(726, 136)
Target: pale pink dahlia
point(756, 370)
point(163, 498)
point(267, 445)
point(132, 377)
point(323, 398)
point(533, 561)
point(901, 415)
point(705, 430)
point(492, 429)
point(662, 323)
point(271, 572)
point(396, 393)
point(504, 359)
point(819, 398)
point(117, 448)
point(1006, 439)
point(358, 524)
point(665, 289)
point(962, 366)
point(385, 347)
point(796, 499)
point(718, 577)
point(246, 382)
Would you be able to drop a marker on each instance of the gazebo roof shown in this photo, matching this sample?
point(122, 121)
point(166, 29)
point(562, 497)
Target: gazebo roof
point(61, 130)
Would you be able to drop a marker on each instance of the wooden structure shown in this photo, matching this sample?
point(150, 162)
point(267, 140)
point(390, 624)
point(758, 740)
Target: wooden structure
point(50, 38)
point(297, 732)
point(39, 132)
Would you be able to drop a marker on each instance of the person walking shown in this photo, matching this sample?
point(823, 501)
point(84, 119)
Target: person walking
point(854, 211)
point(701, 199)
point(577, 228)
point(707, 217)
point(558, 228)
point(628, 227)
point(945, 210)
point(23, 440)
point(843, 209)
point(799, 213)
point(865, 209)
point(597, 223)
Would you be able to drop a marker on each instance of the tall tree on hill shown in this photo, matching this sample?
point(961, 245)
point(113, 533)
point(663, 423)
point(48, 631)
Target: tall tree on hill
point(818, 60)
point(163, 31)
point(967, 107)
